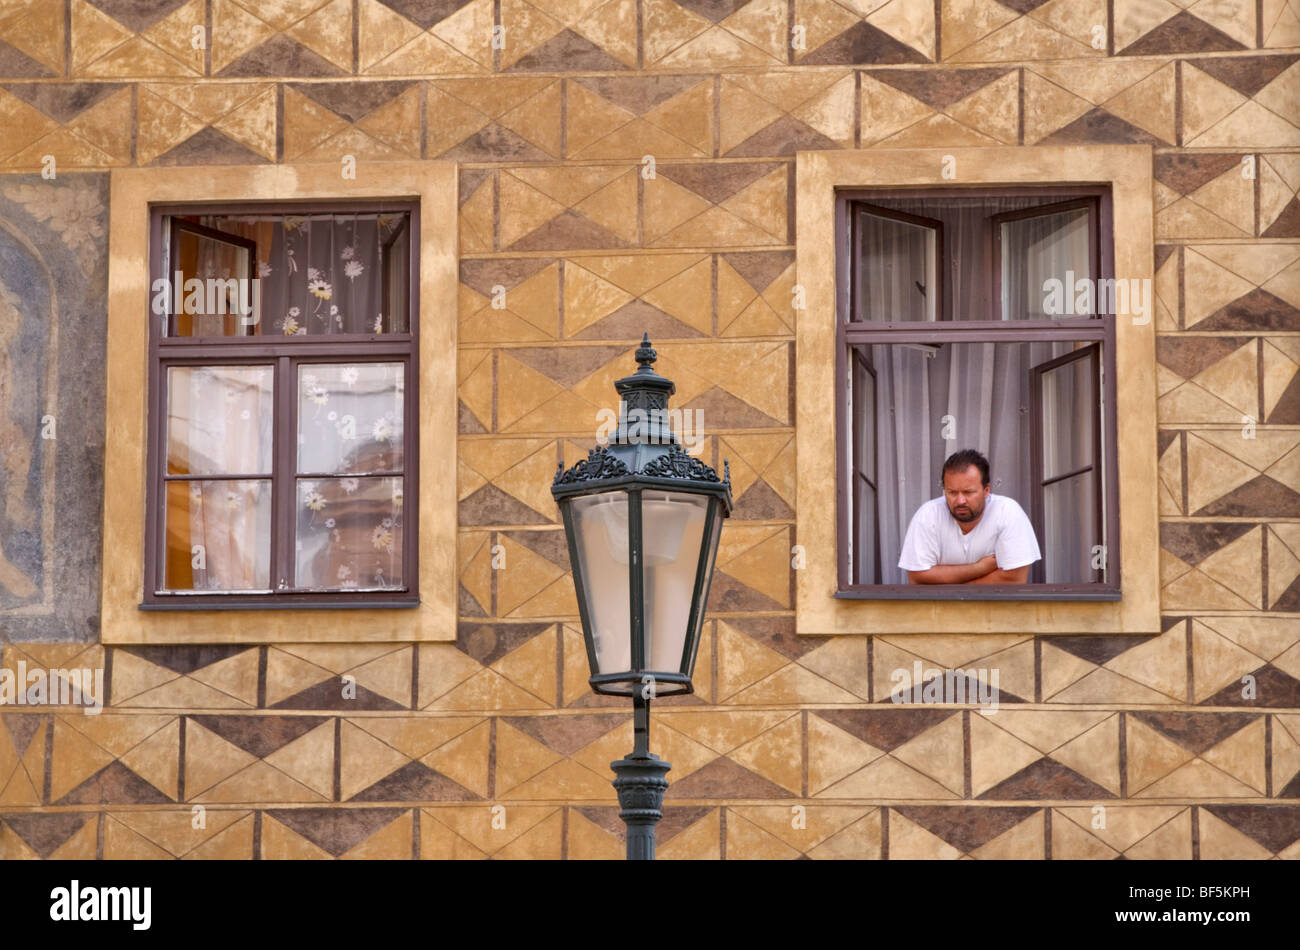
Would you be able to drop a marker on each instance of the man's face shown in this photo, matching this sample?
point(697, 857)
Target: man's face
point(965, 494)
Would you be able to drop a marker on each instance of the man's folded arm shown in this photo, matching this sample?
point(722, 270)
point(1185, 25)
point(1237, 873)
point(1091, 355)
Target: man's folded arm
point(1016, 575)
point(956, 573)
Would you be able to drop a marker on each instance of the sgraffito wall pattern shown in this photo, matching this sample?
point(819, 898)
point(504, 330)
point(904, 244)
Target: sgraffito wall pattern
point(551, 127)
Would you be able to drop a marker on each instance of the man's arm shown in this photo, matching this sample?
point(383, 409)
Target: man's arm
point(958, 573)
point(1017, 575)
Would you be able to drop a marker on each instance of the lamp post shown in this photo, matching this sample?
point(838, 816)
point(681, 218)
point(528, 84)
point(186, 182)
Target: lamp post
point(642, 518)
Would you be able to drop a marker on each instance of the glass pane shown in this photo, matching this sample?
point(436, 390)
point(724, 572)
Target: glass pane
point(350, 417)
point(672, 533)
point(397, 279)
point(715, 531)
point(1069, 403)
point(218, 535)
point(896, 272)
point(600, 526)
point(864, 419)
point(314, 274)
point(864, 548)
point(219, 420)
point(221, 304)
point(349, 534)
point(1070, 529)
point(1038, 250)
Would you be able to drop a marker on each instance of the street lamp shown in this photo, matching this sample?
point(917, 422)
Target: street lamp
point(642, 518)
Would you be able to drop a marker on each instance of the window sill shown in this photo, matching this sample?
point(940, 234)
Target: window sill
point(948, 592)
point(185, 603)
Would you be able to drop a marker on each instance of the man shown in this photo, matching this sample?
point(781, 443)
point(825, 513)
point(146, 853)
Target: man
point(969, 536)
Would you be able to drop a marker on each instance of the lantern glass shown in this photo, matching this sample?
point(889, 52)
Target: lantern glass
point(600, 526)
point(672, 532)
point(714, 530)
point(672, 526)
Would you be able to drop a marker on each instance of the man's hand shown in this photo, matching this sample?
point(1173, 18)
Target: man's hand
point(957, 573)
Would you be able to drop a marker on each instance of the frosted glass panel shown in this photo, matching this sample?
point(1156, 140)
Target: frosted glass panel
point(219, 420)
point(350, 417)
point(1036, 250)
point(673, 528)
point(218, 535)
point(600, 522)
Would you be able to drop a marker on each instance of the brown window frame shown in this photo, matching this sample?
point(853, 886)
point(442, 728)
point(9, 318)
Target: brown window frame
point(284, 355)
point(1098, 328)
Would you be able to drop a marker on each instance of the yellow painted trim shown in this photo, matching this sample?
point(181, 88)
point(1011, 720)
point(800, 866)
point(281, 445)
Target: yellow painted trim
point(133, 190)
point(1127, 168)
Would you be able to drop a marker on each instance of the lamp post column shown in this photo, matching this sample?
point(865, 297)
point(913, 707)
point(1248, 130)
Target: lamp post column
point(640, 783)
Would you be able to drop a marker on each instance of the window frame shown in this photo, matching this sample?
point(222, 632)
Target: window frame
point(1127, 169)
point(849, 204)
point(125, 619)
point(284, 355)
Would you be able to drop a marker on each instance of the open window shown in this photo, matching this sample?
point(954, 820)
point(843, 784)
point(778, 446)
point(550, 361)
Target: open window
point(1038, 244)
point(951, 337)
point(223, 263)
point(897, 278)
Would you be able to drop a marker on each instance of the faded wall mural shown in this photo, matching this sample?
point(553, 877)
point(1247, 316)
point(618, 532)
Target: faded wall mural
point(53, 276)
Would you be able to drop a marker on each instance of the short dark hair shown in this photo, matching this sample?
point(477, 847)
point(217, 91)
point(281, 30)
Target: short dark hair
point(960, 461)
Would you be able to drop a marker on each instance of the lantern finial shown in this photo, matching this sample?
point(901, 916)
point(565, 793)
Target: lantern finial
point(646, 355)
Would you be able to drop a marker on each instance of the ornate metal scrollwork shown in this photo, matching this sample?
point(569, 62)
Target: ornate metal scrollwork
point(598, 464)
point(678, 464)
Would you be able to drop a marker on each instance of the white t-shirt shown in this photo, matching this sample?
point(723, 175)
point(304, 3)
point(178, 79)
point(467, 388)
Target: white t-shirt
point(934, 536)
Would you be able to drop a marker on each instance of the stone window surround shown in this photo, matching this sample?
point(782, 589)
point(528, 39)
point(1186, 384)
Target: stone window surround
point(133, 191)
point(1128, 170)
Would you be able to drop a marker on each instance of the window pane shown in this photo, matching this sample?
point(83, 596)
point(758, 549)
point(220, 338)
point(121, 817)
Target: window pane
point(222, 304)
point(316, 273)
point(864, 550)
point(395, 305)
point(1069, 398)
point(1038, 250)
point(218, 535)
point(896, 273)
point(350, 417)
point(219, 420)
point(1070, 529)
point(864, 419)
point(349, 534)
